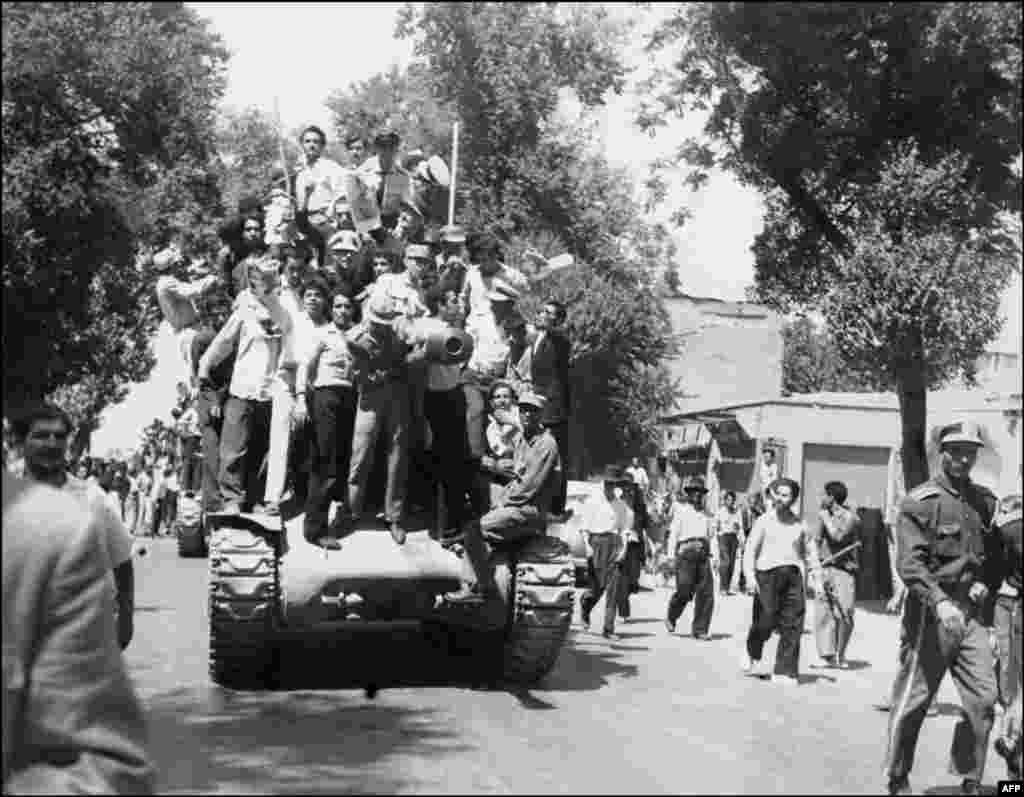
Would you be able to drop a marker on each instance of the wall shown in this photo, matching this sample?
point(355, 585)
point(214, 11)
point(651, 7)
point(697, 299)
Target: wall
point(731, 351)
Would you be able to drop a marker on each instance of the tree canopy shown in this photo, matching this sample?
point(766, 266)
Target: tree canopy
point(108, 118)
point(831, 110)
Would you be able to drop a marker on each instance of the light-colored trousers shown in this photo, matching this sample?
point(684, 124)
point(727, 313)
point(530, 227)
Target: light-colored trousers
point(282, 406)
point(833, 612)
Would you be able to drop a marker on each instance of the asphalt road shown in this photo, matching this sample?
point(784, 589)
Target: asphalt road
point(651, 713)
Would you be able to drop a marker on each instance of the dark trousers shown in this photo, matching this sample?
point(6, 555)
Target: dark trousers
point(780, 604)
point(191, 465)
point(727, 545)
point(446, 413)
point(333, 414)
point(632, 567)
point(211, 454)
point(170, 513)
point(927, 650)
point(158, 515)
point(560, 431)
point(605, 577)
point(693, 582)
point(244, 442)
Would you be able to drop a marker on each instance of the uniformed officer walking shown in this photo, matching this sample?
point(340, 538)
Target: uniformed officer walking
point(941, 558)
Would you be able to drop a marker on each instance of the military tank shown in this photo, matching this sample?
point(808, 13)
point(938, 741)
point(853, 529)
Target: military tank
point(269, 587)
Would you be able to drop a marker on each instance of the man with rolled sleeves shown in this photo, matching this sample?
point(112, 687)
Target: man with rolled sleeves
point(835, 529)
point(521, 510)
point(689, 541)
point(941, 552)
point(381, 371)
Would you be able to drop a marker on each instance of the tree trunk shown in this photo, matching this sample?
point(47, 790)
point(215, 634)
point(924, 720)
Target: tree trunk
point(913, 395)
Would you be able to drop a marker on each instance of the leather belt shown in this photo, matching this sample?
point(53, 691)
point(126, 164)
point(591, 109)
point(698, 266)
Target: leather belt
point(688, 540)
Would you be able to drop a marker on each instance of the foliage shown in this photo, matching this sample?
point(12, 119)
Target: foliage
point(107, 127)
point(813, 363)
point(405, 100)
point(831, 110)
point(249, 143)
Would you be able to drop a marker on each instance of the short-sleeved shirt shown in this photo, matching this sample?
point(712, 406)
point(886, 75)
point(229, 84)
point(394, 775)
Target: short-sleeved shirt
point(119, 541)
point(336, 367)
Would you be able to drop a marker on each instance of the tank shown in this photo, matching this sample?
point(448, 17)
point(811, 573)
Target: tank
point(269, 587)
point(577, 495)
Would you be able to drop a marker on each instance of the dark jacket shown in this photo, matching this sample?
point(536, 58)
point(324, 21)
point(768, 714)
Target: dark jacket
point(549, 373)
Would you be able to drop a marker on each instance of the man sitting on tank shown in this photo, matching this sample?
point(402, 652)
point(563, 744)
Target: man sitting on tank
point(522, 507)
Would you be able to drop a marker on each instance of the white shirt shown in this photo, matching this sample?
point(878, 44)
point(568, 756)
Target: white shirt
point(769, 473)
point(119, 541)
point(639, 475)
point(328, 179)
point(727, 522)
point(686, 522)
point(773, 543)
point(477, 286)
point(608, 517)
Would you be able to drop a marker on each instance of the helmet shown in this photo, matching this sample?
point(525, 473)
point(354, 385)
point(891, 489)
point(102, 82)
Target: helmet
point(694, 484)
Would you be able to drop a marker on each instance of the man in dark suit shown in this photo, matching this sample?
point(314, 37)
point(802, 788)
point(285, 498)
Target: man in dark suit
point(549, 374)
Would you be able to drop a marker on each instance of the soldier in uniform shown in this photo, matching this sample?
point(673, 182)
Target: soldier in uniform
point(941, 558)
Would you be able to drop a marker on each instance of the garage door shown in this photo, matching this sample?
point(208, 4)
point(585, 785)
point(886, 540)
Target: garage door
point(862, 469)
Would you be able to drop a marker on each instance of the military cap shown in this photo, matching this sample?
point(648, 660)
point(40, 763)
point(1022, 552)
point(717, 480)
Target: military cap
point(418, 251)
point(386, 136)
point(961, 432)
point(528, 399)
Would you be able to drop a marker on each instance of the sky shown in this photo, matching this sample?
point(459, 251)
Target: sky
point(295, 54)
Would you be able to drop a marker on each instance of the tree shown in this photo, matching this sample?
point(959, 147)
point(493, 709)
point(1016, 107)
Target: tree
point(501, 69)
point(812, 363)
point(249, 144)
point(813, 104)
point(108, 113)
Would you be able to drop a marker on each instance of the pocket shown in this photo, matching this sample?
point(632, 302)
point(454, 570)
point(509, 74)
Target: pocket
point(948, 542)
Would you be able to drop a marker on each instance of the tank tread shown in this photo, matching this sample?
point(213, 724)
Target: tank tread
point(244, 590)
point(542, 610)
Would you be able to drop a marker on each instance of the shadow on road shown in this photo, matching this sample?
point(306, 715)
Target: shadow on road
point(286, 743)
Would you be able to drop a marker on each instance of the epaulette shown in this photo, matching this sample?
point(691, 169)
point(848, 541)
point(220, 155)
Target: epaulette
point(926, 490)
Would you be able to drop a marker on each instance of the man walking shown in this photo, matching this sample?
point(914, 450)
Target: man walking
point(730, 534)
point(689, 541)
point(941, 553)
point(607, 525)
point(836, 530)
point(1008, 622)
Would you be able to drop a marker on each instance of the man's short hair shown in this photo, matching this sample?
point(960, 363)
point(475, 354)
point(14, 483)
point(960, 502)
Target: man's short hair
point(837, 491)
point(729, 493)
point(768, 451)
point(317, 130)
point(319, 284)
point(436, 293)
point(21, 423)
point(559, 307)
point(500, 383)
point(785, 482)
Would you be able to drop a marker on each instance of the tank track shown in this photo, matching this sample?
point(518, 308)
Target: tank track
point(542, 606)
point(244, 604)
point(194, 546)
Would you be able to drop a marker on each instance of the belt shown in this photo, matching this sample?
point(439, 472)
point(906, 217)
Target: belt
point(688, 540)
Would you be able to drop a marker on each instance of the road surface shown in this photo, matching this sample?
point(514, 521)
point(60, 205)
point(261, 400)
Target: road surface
point(649, 714)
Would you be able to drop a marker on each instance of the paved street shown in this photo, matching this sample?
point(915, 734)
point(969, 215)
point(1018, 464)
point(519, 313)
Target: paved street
point(649, 714)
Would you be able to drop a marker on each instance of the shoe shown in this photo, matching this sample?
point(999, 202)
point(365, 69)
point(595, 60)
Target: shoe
point(842, 664)
point(611, 635)
point(670, 626)
point(885, 704)
point(329, 543)
point(899, 786)
point(585, 619)
point(824, 662)
point(272, 508)
point(970, 786)
point(398, 534)
point(789, 680)
point(702, 637)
